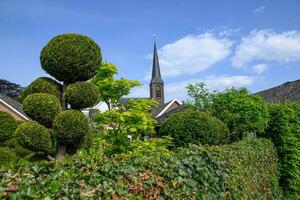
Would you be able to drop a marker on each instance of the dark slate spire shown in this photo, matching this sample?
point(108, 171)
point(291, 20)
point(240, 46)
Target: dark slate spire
point(156, 77)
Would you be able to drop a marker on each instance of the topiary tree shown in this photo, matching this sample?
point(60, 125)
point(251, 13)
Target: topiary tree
point(195, 127)
point(8, 126)
point(242, 112)
point(42, 108)
point(81, 95)
point(70, 127)
point(43, 85)
point(34, 137)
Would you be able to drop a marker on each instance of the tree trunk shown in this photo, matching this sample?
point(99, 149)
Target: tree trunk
point(61, 152)
point(49, 157)
point(64, 103)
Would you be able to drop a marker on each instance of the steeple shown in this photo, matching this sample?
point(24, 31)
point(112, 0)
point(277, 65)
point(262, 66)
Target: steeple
point(156, 84)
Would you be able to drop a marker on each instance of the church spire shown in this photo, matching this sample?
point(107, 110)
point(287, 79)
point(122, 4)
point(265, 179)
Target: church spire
point(156, 77)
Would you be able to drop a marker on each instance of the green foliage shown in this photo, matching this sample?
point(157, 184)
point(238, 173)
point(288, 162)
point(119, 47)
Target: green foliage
point(284, 130)
point(43, 85)
point(134, 118)
point(71, 57)
point(81, 95)
point(42, 108)
point(18, 149)
point(245, 170)
point(199, 96)
point(6, 157)
point(242, 112)
point(34, 136)
point(196, 127)
point(8, 126)
point(111, 89)
point(70, 126)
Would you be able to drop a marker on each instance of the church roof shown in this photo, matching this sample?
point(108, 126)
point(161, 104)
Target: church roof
point(156, 77)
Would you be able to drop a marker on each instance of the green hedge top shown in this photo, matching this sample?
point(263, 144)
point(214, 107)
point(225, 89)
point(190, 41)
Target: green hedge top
point(8, 126)
point(71, 58)
point(195, 127)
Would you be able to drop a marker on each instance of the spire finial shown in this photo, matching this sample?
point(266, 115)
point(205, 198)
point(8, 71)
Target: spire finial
point(154, 37)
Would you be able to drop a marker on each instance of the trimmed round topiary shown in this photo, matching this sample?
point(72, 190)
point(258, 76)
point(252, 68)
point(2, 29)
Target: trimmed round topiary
point(17, 148)
point(7, 156)
point(81, 95)
point(42, 108)
point(44, 85)
point(195, 127)
point(8, 126)
point(71, 58)
point(34, 136)
point(70, 126)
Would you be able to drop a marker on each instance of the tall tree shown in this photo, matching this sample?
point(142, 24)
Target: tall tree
point(9, 89)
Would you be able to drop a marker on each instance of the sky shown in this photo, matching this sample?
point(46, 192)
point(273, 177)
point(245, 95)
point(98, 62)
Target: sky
point(253, 44)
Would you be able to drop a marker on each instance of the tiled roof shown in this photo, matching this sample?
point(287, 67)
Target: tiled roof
point(164, 116)
point(14, 104)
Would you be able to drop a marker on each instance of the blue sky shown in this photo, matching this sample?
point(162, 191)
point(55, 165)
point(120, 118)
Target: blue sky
point(253, 44)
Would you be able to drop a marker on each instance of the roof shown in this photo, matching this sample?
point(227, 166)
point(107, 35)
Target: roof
point(164, 116)
point(156, 112)
point(13, 105)
point(156, 77)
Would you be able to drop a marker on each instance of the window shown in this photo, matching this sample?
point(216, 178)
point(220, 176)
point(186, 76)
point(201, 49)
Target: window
point(158, 92)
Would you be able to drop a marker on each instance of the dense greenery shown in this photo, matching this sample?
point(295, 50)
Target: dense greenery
point(81, 95)
point(71, 57)
point(34, 137)
point(8, 126)
point(43, 85)
point(242, 112)
point(284, 129)
point(42, 108)
point(195, 127)
point(245, 170)
point(70, 126)
point(6, 157)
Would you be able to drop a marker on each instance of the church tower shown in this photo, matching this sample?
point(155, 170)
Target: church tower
point(156, 84)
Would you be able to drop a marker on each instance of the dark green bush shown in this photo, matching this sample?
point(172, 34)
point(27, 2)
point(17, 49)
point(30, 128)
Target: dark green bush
point(284, 130)
point(6, 157)
point(34, 136)
point(42, 108)
point(244, 170)
point(16, 147)
point(44, 85)
point(70, 126)
point(195, 127)
point(81, 95)
point(71, 57)
point(8, 126)
point(242, 112)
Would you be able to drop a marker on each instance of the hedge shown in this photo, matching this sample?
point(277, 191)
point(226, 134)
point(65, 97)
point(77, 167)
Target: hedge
point(6, 157)
point(244, 170)
point(8, 126)
point(196, 127)
point(284, 130)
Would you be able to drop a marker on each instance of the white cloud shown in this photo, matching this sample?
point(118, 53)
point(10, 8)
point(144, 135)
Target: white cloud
point(259, 10)
point(178, 90)
point(193, 54)
point(259, 68)
point(267, 45)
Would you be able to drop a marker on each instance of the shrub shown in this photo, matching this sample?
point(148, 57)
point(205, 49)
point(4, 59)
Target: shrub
point(8, 126)
point(44, 85)
point(42, 108)
point(70, 126)
point(71, 57)
point(34, 136)
point(81, 95)
point(16, 147)
point(195, 127)
point(7, 157)
point(284, 129)
point(242, 112)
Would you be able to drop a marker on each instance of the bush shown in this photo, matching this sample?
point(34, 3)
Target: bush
point(245, 170)
point(284, 129)
point(6, 157)
point(8, 126)
point(242, 112)
point(71, 57)
point(42, 108)
point(195, 127)
point(34, 136)
point(81, 95)
point(44, 85)
point(16, 147)
point(70, 126)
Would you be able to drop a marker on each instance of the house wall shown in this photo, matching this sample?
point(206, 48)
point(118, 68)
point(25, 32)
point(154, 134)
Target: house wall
point(4, 108)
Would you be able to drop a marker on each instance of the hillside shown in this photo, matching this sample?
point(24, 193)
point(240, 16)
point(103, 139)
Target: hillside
point(289, 91)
